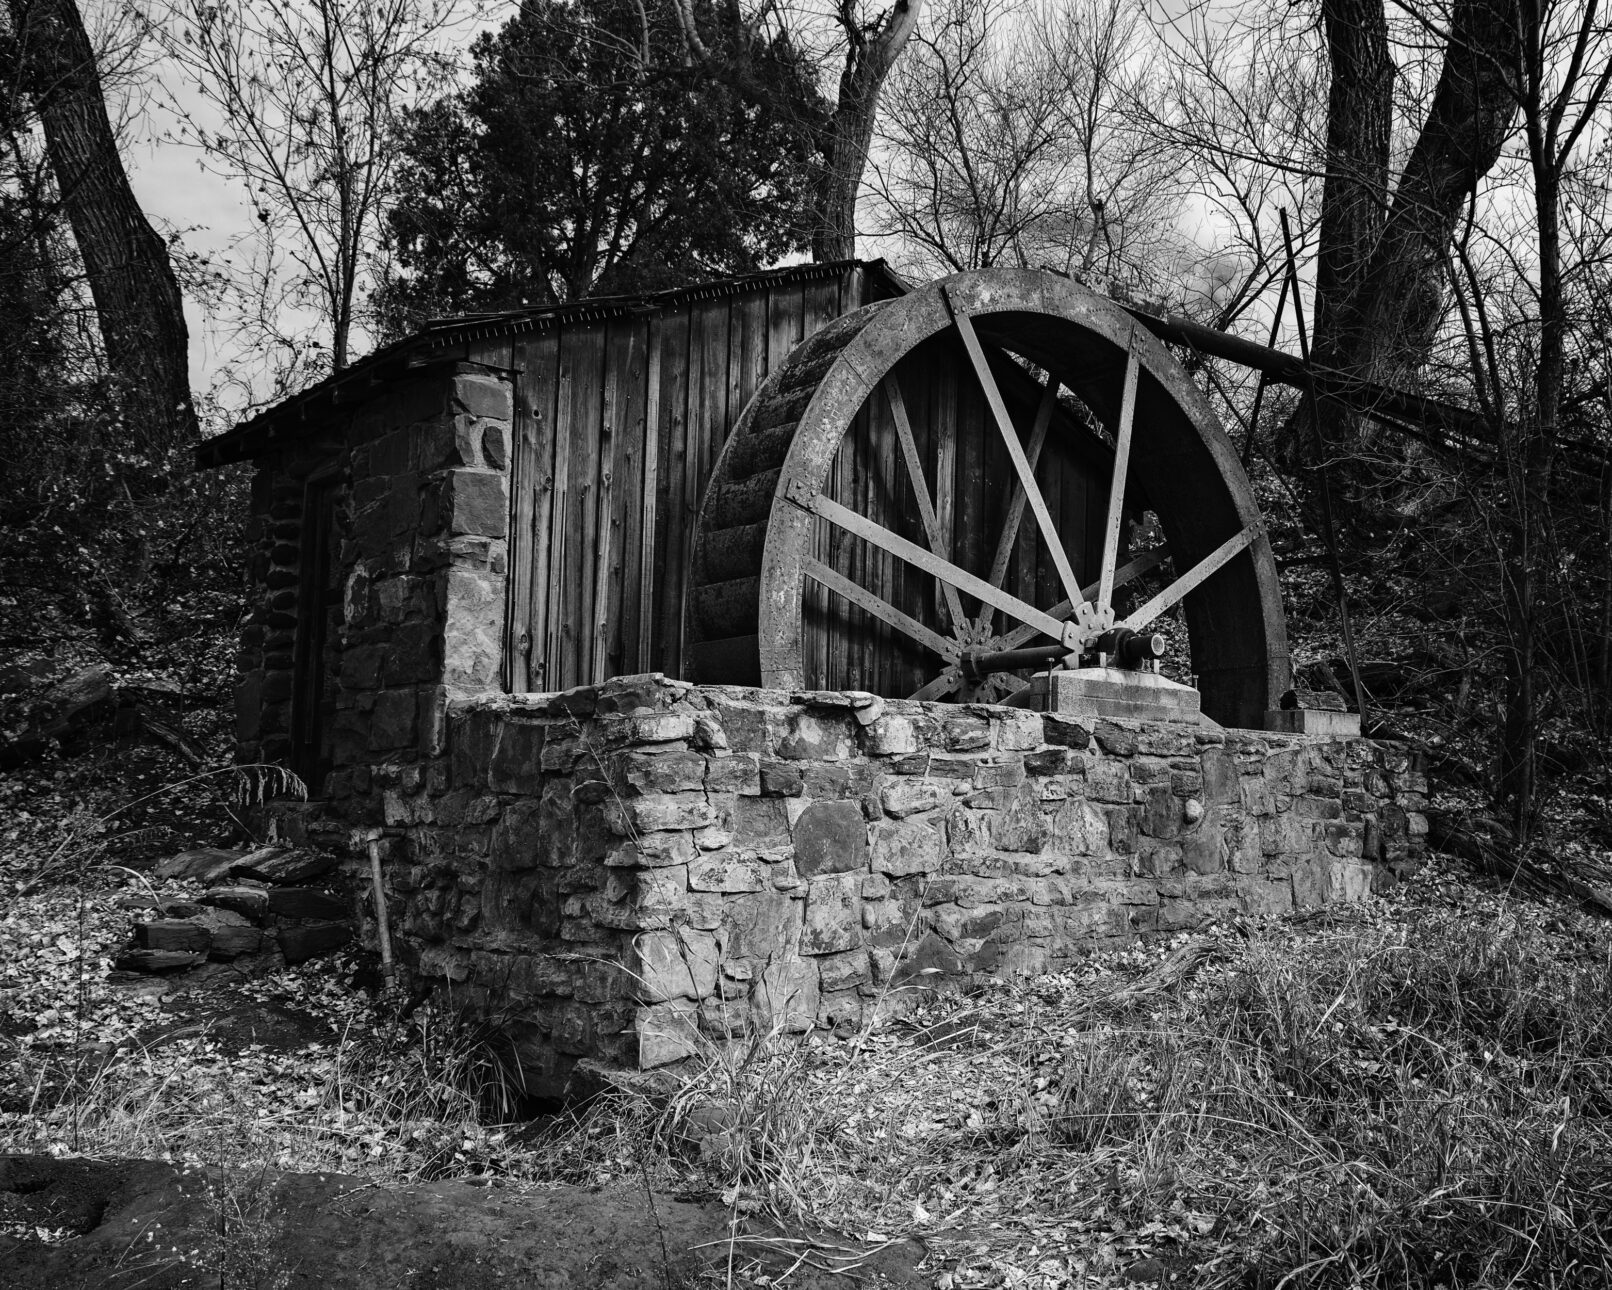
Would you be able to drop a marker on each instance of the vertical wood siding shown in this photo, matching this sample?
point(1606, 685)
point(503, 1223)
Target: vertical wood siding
point(618, 425)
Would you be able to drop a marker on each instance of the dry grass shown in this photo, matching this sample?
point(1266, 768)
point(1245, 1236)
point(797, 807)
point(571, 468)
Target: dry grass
point(1414, 1093)
point(1417, 1094)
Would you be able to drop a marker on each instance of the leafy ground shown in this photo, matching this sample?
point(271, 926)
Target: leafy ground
point(1413, 1092)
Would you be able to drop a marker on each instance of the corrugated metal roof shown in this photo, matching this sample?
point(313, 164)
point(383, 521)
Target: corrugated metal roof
point(301, 413)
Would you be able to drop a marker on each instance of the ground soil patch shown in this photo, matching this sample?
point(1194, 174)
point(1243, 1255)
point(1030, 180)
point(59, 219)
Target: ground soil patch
point(118, 1225)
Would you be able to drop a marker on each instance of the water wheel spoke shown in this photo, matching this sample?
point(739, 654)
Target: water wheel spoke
point(930, 563)
point(1010, 437)
point(1016, 496)
point(1116, 485)
point(944, 684)
point(864, 599)
point(1132, 570)
point(920, 488)
point(1189, 581)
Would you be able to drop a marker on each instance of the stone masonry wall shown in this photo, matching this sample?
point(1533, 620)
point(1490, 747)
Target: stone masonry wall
point(422, 514)
point(621, 868)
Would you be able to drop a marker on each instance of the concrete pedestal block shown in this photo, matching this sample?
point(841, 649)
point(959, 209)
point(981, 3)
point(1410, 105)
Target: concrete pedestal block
point(1314, 721)
point(1114, 692)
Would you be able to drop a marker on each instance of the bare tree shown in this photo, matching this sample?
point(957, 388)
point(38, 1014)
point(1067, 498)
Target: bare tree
point(971, 160)
point(137, 299)
point(1009, 137)
point(873, 40)
point(1533, 330)
point(308, 93)
point(1243, 105)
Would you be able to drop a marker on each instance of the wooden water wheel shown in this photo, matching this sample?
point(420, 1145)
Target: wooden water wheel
point(927, 499)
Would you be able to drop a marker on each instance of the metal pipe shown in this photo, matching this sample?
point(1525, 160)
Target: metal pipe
point(982, 663)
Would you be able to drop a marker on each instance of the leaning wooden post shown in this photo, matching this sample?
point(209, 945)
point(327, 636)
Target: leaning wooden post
point(383, 928)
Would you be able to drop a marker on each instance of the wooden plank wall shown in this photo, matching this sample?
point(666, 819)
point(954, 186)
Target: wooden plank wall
point(618, 425)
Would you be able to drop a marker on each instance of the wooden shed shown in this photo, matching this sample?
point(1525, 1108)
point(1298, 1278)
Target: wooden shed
point(508, 501)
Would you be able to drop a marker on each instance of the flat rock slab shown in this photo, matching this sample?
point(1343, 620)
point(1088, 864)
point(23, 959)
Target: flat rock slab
point(337, 1232)
point(205, 864)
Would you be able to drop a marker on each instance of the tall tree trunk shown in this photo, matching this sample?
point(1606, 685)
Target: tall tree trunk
point(871, 51)
point(1354, 198)
point(1381, 272)
point(137, 298)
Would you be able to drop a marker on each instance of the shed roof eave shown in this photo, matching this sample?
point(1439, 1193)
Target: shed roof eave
point(443, 341)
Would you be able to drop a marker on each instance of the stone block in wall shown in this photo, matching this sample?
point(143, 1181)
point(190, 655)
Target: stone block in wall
point(661, 895)
point(1079, 828)
point(840, 1011)
point(412, 655)
point(1053, 761)
point(786, 995)
point(1003, 772)
point(522, 839)
point(812, 736)
point(829, 837)
point(833, 918)
point(904, 847)
point(1162, 813)
point(1064, 732)
point(1017, 731)
point(667, 1032)
point(1115, 739)
point(1108, 781)
point(671, 811)
point(963, 731)
point(1022, 826)
point(1171, 739)
point(1312, 807)
point(473, 630)
point(1266, 897)
point(1123, 829)
point(676, 770)
point(903, 797)
point(957, 924)
point(844, 971)
point(676, 963)
point(727, 871)
point(740, 773)
point(725, 1018)
point(1312, 880)
point(651, 728)
point(1344, 839)
point(744, 725)
point(478, 502)
point(759, 926)
point(928, 962)
point(1203, 848)
point(486, 396)
point(394, 722)
point(891, 736)
point(1258, 798)
point(1287, 833)
point(516, 761)
point(836, 779)
point(781, 779)
point(1222, 784)
point(1352, 882)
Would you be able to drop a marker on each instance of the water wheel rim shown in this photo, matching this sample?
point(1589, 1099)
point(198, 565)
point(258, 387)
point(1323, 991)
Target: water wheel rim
point(1238, 641)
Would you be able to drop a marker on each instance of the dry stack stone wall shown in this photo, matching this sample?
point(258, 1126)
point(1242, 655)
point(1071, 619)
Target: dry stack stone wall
point(417, 479)
point(619, 869)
